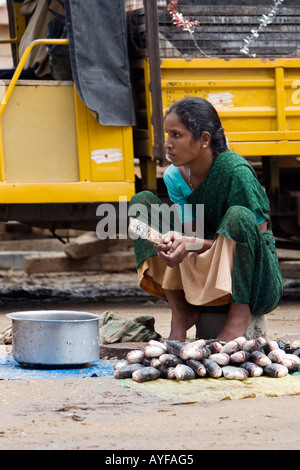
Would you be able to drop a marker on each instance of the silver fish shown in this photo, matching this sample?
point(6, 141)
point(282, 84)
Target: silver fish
point(230, 347)
point(170, 360)
point(126, 371)
point(153, 350)
point(239, 356)
point(253, 369)
point(260, 358)
point(145, 374)
point(184, 372)
point(197, 367)
point(234, 373)
point(276, 370)
point(222, 359)
point(212, 368)
point(134, 356)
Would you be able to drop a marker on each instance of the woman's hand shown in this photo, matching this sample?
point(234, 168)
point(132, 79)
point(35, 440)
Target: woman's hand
point(176, 247)
point(173, 250)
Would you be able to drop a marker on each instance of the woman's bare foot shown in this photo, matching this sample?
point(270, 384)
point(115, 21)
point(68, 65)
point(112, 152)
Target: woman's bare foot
point(237, 321)
point(184, 315)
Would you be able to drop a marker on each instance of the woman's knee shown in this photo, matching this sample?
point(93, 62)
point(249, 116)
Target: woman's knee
point(237, 222)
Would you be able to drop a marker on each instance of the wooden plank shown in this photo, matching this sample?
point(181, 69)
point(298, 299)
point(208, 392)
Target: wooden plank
point(117, 261)
point(89, 244)
point(288, 254)
point(290, 269)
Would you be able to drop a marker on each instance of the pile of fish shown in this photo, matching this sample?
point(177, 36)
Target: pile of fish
point(237, 359)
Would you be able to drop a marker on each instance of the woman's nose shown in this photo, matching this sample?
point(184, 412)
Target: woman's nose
point(167, 143)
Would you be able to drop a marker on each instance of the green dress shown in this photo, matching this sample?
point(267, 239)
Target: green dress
point(231, 193)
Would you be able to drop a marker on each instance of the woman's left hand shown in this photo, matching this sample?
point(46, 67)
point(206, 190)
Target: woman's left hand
point(173, 250)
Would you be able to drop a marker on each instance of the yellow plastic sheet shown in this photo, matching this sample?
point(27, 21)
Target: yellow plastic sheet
point(200, 390)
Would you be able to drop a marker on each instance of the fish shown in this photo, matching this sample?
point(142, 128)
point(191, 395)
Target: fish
point(230, 347)
point(170, 360)
point(145, 374)
point(184, 372)
point(270, 346)
point(198, 342)
point(222, 359)
point(134, 356)
point(126, 371)
point(174, 346)
point(249, 345)
point(261, 340)
point(276, 370)
point(154, 342)
point(215, 347)
point(241, 340)
point(276, 355)
point(295, 360)
point(253, 369)
point(147, 361)
point(153, 350)
point(239, 357)
point(260, 358)
point(166, 372)
point(288, 363)
point(212, 368)
point(120, 364)
point(197, 367)
point(155, 362)
point(234, 373)
point(193, 352)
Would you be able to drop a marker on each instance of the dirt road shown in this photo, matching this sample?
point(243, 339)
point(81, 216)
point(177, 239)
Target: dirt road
point(100, 413)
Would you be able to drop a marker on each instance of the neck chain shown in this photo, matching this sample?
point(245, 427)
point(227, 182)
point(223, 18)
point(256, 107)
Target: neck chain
point(190, 181)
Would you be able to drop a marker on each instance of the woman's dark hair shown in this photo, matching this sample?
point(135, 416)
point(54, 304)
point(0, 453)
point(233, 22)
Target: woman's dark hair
point(198, 115)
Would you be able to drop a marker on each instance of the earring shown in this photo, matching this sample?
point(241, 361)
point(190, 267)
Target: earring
point(204, 146)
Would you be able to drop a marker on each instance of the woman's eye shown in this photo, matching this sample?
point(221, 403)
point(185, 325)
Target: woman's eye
point(176, 135)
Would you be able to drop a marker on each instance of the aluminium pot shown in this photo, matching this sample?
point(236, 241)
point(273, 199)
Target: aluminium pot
point(55, 337)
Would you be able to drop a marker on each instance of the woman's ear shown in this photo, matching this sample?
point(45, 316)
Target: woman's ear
point(205, 139)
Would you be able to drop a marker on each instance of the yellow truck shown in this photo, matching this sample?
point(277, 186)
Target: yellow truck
point(68, 145)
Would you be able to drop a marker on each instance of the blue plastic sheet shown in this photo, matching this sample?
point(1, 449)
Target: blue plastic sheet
point(10, 369)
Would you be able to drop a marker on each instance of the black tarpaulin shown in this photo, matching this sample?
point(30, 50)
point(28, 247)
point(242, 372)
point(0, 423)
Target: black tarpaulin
point(98, 48)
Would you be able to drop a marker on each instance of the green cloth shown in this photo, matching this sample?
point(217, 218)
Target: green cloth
point(230, 194)
point(115, 329)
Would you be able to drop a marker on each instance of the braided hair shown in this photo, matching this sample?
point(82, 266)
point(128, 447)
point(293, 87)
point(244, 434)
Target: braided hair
point(198, 115)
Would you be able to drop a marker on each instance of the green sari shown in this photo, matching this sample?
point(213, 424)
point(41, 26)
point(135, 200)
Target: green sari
point(231, 193)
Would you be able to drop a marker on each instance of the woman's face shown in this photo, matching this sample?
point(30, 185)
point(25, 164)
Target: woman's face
point(180, 146)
